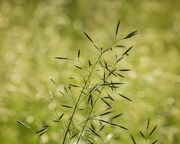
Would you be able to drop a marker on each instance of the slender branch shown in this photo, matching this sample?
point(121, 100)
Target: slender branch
point(77, 103)
point(89, 116)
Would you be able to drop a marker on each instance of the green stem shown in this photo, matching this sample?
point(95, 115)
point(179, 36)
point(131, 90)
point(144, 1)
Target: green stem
point(68, 127)
point(146, 136)
point(89, 116)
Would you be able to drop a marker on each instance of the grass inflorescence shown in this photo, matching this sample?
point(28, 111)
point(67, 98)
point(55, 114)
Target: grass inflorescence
point(90, 103)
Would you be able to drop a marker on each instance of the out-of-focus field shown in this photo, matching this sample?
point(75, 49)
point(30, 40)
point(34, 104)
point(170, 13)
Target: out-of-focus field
point(33, 32)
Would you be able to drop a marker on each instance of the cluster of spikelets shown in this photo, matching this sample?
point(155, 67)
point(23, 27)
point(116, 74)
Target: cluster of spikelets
point(90, 94)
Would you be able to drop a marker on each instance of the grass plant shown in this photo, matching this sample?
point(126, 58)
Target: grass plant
point(146, 135)
point(88, 102)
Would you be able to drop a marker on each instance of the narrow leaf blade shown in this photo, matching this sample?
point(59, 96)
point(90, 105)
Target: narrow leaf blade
point(106, 113)
point(106, 103)
point(52, 80)
point(119, 59)
point(113, 124)
point(93, 127)
point(89, 63)
point(124, 97)
point(154, 141)
point(40, 130)
point(90, 141)
point(43, 132)
point(152, 130)
point(79, 53)
point(61, 58)
point(60, 91)
point(148, 123)
point(88, 37)
point(131, 34)
point(21, 123)
point(133, 139)
point(74, 135)
point(89, 98)
point(78, 67)
point(117, 116)
point(106, 65)
point(102, 128)
point(66, 106)
point(120, 46)
point(46, 126)
point(95, 132)
point(111, 97)
point(124, 70)
point(72, 85)
point(92, 102)
point(61, 116)
point(126, 52)
point(119, 126)
point(117, 29)
point(142, 134)
point(120, 75)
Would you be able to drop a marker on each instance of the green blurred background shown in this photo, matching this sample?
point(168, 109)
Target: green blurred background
point(33, 32)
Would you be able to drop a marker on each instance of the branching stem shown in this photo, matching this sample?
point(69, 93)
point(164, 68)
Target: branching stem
point(79, 98)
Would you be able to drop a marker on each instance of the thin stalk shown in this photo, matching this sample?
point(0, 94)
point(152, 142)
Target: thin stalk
point(87, 95)
point(111, 45)
point(146, 136)
point(68, 127)
point(53, 107)
point(89, 116)
point(88, 119)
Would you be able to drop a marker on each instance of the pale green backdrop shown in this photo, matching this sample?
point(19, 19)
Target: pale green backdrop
point(33, 32)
